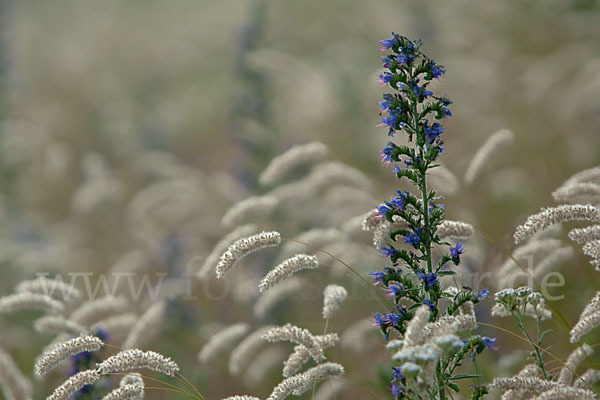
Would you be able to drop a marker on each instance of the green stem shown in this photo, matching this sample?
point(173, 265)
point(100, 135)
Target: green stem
point(535, 345)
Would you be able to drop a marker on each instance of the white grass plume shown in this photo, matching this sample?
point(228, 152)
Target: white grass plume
point(94, 310)
point(222, 340)
point(242, 247)
point(118, 326)
point(454, 229)
point(57, 324)
point(414, 329)
point(133, 359)
point(146, 326)
point(493, 144)
point(584, 235)
point(301, 355)
point(49, 360)
point(242, 397)
point(74, 384)
point(589, 377)
point(296, 335)
point(246, 349)
point(14, 385)
point(29, 301)
point(268, 300)
point(124, 392)
point(577, 192)
point(300, 383)
point(318, 237)
point(256, 206)
point(213, 258)
point(576, 357)
point(286, 269)
point(553, 215)
point(334, 296)
point(43, 285)
point(301, 155)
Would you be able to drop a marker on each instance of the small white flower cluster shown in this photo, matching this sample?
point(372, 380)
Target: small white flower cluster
point(425, 342)
point(286, 269)
point(553, 215)
point(522, 300)
point(242, 247)
point(334, 296)
point(49, 360)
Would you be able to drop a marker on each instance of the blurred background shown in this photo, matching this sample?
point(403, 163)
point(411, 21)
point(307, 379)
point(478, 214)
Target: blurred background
point(127, 129)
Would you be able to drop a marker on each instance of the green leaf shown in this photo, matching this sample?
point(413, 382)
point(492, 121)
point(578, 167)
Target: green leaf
point(446, 273)
point(464, 376)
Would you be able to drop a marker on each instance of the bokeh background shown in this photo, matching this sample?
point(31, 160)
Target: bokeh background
point(127, 129)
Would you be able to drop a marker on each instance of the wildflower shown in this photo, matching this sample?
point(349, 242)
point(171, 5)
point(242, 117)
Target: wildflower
point(433, 132)
point(389, 251)
point(488, 342)
point(396, 389)
point(394, 290)
point(428, 279)
point(483, 294)
point(387, 43)
point(457, 250)
point(387, 153)
point(413, 238)
point(429, 304)
point(385, 78)
point(436, 70)
point(377, 276)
